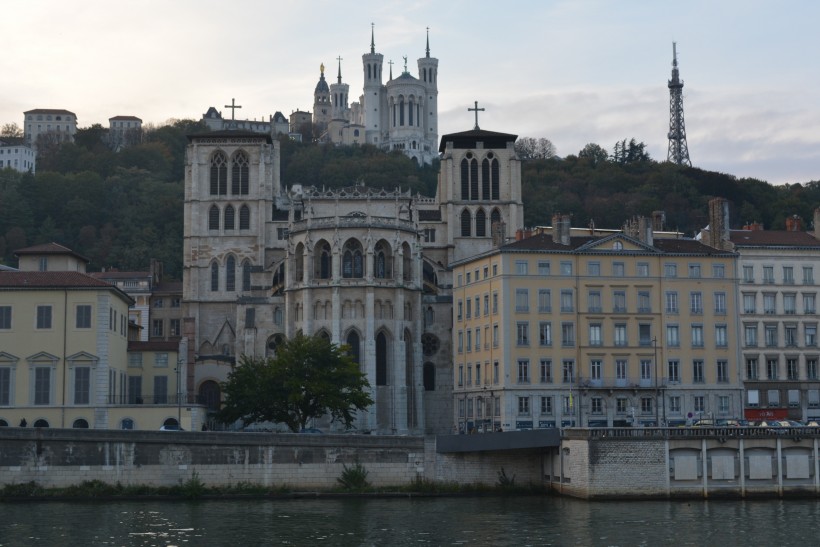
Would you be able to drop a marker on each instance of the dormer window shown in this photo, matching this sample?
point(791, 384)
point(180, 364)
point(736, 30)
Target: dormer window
point(617, 246)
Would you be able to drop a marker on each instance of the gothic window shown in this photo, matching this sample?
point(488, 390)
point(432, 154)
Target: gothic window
point(352, 260)
point(410, 108)
point(429, 376)
point(495, 217)
point(244, 218)
point(480, 223)
point(219, 174)
point(401, 111)
point(465, 180)
point(466, 222)
point(407, 264)
point(382, 261)
point(353, 342)
point(246, 275)
point(474, 179)
point(299, 260)
point(494, 178)
point(213, 218)
point(214, 276)
point(381, 359)
point(485, 179)
point(239, 174)
point(229, 217)
point(429, 344)
point(230, 273)
point(322, 260)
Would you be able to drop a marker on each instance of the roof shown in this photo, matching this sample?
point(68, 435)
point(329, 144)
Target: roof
point(775, 238)
point(13, 141)
point(49, 111)
point(49, 249)
point(168, 287)
point(55, 280)
point(468, 139)
point(544, 242)
point(321, 85)
point(405, 76)
point(153, 345)
point(230, 133)
point(125, 118)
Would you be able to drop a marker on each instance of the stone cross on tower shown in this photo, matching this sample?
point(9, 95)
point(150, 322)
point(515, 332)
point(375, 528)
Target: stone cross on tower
point(476, 110)
point(233, 106)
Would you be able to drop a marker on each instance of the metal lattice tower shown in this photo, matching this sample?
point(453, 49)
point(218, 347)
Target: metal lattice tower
point(678, 149)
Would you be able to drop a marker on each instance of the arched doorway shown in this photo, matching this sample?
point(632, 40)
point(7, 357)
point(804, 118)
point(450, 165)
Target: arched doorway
point(210, 395)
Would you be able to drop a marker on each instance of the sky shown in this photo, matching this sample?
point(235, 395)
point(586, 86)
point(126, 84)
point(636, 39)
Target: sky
point(572, 71)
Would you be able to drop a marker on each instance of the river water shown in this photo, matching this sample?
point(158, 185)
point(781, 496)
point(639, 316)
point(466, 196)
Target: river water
point(513, 521)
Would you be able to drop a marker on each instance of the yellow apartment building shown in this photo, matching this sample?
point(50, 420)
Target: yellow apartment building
point(595, 328)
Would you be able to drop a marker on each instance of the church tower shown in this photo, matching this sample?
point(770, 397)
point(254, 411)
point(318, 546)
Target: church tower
point(321, 105)
point(373, 91)
point(428, 74)
point(338, 95)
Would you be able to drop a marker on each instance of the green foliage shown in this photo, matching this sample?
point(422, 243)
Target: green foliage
point(193, 488)
point(22, 490)
point(354, 478)
point(504, 481)
point(308, 378)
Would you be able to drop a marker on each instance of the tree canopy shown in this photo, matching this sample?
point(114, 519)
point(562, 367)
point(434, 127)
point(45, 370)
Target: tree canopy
point(308, 378)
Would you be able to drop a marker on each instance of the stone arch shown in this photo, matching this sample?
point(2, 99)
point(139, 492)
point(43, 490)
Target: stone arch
point(80, 423)
point(382, 260)
point(230, 218)
point(210, 395)
point(352, 259)
point(213, 218)
point(466, 223)
point(322, 260)
point(324, 334)
point(219, 174)
point(382, 357)
point(480, 223)
point(353, 340)
point(299, 263)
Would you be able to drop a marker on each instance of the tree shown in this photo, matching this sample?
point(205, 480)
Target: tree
point(631, 152)
point(595, 153)
point(11, 130)
point(308, 378)
point(529, 148)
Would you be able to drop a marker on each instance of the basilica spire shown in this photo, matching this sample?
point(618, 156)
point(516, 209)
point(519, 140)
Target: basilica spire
point(372, 38)
point(428, 42)
point(339, 77)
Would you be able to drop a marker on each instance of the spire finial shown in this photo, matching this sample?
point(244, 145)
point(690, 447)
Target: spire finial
point(390, 62)
point(339, 77)
point(428, 42)
point(372, 38)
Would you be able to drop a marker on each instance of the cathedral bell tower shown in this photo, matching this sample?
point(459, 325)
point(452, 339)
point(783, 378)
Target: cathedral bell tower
point(428, 74)
point(321, 105)
point(371, 99)
point(338, 94)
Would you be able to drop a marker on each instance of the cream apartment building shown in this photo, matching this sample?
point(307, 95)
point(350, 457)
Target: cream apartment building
point(595, 328)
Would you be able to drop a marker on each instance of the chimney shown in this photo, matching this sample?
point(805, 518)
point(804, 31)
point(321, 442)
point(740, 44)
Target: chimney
point(658, 220)
point(794, 224)
point(645, 233)
point(561, 226)
point(718, 223)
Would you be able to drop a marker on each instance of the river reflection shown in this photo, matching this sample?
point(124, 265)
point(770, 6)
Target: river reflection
point(426, 521)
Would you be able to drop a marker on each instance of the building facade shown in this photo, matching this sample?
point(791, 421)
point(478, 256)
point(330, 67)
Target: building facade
point(48, 126)
point(124, 131)
point(595, 328)
point(364, 267)
point(16, 154)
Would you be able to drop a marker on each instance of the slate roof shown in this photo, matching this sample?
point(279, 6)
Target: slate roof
point(230, 133)
point(125, 118)
point(49, 249)
point(776, 238)
point(544, 242)
point(468, 139)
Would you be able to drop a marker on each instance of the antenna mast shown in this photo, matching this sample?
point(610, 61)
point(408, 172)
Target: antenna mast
point(678, 149)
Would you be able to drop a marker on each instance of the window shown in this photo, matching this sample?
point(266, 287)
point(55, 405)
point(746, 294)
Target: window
point(543, 268)
point(82, 385)
point(477, 339)
point(83, 316)
point(161, 360)
point(670, 270)
point(595, 334)
point(808, 275)
point(568, 371)
point(460, 375)
point(521, 267)
point(544, 305)
point(469, 340)
point(646, 369)
point(214, 277)
point(545, 333)
point(469, 308)
point(5, 386)
point(809, 304)
point(566, 268)
point(523, 406)
point(694, 270)
point(750, 335)
point(495, 302)
point(43, 317)
point(643, 269)
point(229, 218)
point(161, 390)
point(697, 336)
point(674, 404)
point(768, 274)
point(597, 405)
point(720, 336)
point(671, 302)
point(620, 369)
point(478, 374)
point(810, 335)
point(618, 269)
point(621, 405)
point(722, 371)
point(813, 395)
point(773, 397)
point(646, 405)
point(594, 301)
point(546, 405)
point(594, 269)
point(696, 303)
point(619, 301)
point(749, 303)
point(495, 336)
point(156, 327)
point(672, 336)
point(522, 301)
point(176, 302)
point(175, 327)
point(789, 304)
point(460, 310)
point(720, 303)
point(792, 370)
point(42, 385)
point(673, 370)
point(791, 335)
point(645, 334)
point(522, 330)
point(43, 264)
point(566, 301)
point(771, 336)
point(751, 368)
point(697, 371)
point(753, 398)
point(619, 333)
point(811, 368)
point(486, 305)
point(788, 275)
point(495, 372)
point(5, 317)
point(644, 302)
point(794, 398)
point(213, 218)
point(595, 368)
point(718, 271)
point(769, 303)
point(460, 341)
point(523, 371)
point(545, 369)
point(699, 403)
point(771, 369)
point(568, 334)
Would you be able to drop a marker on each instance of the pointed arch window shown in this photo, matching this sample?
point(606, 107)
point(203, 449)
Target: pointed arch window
point(352, 260)
point(353, 342)
point(299, 263)
point(429, 377)
point(213, 218)
point(410, 109)
point(382, 261)
point(485, 179)
point(474, 179)
point(244, 218)
point(495, 217)
point(322, 261)
point(214, 276)
point(465, 179)
point(401, 111)
point(246, 275)
point(229, 217)
point(407, 263)
point(230, 273)
point(219, 174)
point(480, 223)
point(381, 359)
point(239, 174)
point(494, 178)
point(466, 223)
